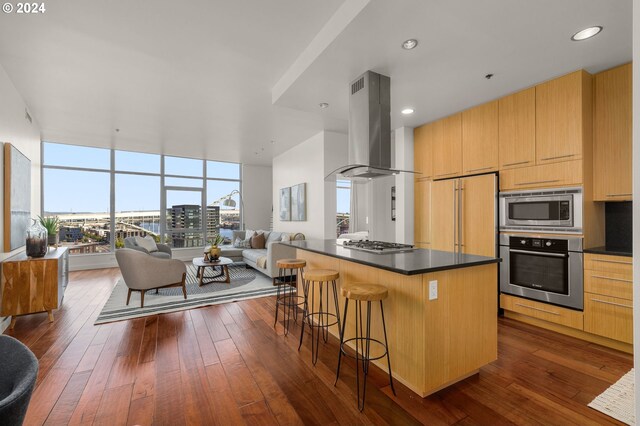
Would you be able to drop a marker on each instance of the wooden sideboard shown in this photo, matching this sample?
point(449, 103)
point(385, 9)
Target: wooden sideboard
point(30, 285)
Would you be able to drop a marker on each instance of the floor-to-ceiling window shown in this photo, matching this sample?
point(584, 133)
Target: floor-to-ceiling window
point(343, 206)
point(103, 196)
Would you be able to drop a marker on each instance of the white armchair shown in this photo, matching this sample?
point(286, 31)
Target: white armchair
point(142, 272)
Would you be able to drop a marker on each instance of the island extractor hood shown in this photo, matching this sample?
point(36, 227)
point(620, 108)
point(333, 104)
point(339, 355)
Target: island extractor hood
point(369, 129)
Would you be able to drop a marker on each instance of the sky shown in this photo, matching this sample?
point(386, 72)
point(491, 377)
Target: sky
point(67, 191)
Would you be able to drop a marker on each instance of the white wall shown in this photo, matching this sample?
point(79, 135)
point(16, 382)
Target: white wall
point(403, 138)
point(381, 227)
point(25, 136)
point(257, 196)
point(309, 162)
point(636, 196)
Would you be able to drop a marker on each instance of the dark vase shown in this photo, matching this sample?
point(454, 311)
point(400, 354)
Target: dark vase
point(36, 240)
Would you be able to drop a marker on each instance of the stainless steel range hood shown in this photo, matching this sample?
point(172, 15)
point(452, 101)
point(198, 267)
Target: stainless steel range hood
point(369, 129)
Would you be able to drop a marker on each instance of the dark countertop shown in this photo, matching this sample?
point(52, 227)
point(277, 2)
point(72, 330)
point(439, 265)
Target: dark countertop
point(609, 250)
point(419, 261)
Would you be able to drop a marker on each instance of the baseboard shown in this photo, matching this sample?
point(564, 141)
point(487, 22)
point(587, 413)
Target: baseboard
point(4, 323)
point(579, 334)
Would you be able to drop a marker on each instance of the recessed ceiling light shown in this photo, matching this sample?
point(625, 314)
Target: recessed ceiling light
point(410, 44)
point(407, 111)
point(586, 33)
point(323, 105)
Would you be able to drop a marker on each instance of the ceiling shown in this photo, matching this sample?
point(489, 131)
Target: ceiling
point(222, 80)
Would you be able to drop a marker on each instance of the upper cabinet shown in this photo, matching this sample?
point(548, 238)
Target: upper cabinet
point(423, 151)
point(447, 147)
point(480, 139)
point(563, 117)
point(517, 129)
point(612, 135)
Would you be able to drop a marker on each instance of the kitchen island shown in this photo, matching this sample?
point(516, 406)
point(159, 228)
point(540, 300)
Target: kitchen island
point(433, 341)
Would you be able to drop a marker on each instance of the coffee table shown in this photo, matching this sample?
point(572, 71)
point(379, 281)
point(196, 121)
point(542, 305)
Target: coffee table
point(202, 264)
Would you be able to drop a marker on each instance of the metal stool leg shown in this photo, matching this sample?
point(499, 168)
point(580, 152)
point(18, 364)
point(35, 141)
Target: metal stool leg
point(344, 324)
point(305, 308)
point(277, 297)
point(386, 344)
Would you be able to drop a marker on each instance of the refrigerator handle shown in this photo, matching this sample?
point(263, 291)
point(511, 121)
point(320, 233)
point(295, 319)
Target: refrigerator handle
point(454, 215)
point(460, 216)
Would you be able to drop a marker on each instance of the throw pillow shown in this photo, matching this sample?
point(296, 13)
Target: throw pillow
point(257, 241)
point(238, 243)
point(286, 237)
point(147, 243)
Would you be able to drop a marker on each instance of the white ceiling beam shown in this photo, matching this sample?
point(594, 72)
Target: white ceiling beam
point(329, 32)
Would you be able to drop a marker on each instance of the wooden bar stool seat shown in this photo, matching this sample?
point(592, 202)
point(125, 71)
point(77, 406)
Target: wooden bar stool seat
point(321, 275)
point(289, 275)
point(320, 319)
point(364, 292)
point(291, 263)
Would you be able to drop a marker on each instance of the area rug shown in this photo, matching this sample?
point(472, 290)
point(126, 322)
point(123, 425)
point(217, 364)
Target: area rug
point(245, 284)
point(618, 400)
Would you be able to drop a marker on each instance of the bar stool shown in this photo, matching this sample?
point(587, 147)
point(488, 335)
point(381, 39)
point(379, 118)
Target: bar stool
point(363, 292)
point(310, 279)
point(289, 272)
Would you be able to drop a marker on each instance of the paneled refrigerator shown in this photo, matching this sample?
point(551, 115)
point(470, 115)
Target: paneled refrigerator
point(464, 215)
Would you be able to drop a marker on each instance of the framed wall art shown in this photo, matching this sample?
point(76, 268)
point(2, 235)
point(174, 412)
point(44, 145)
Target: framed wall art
point(299, 202)
point(285, 204)
point(17, 197)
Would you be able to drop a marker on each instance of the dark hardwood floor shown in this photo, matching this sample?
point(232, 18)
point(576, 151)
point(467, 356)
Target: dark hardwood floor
point(227, 365)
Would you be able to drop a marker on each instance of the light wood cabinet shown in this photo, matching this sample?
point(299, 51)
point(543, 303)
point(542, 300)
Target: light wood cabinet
point(30, 285)
point(563, 117)
point(463, 215)
point(422, 215)
point(478, 215)
point(543, 311)
point(423, 151)
point(612, 172)
point(517, 129)
point(447, 147)
point(608, 317)
point(444, 208)
point(608, 297)
point(543, 176)
point(480, 139)
point(602, 263)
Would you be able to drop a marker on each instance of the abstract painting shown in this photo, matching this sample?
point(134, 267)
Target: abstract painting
point(285, 204)
point(17, 197)
point(298, 202)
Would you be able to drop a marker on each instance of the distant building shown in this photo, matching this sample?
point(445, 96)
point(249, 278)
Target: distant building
point(70, 234)
point(213, 220)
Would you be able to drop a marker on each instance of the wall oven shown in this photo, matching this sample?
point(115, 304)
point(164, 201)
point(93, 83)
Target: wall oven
point(542, 268)
point(549, 210)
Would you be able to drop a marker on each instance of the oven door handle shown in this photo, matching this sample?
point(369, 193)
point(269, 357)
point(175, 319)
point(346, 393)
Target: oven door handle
point(539, 253)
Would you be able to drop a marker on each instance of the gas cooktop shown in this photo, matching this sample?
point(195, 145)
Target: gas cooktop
point(379, 247)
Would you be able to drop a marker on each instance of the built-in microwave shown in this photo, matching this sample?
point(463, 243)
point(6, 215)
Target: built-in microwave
point(549, 210)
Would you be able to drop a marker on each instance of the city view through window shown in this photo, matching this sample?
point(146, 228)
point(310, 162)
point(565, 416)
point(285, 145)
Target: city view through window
point(343, 206)
point(103, 196)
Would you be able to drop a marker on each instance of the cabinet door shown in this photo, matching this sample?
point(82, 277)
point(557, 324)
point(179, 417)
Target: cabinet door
point(478, 215)
point(480, 139)
point(422, 215)
point(562, 106)
point(444, 208)
point(517, 129)
point(423, 151)
point(447, 147)
point(544, 176)
point(609, 317)
point(612, 135)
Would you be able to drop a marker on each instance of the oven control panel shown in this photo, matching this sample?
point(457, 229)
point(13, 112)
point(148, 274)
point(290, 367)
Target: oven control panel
point(542, 244)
